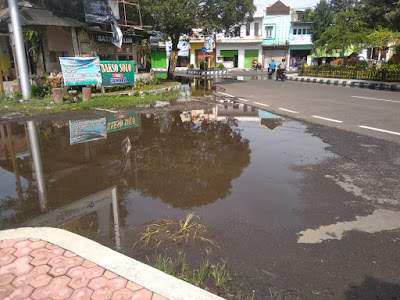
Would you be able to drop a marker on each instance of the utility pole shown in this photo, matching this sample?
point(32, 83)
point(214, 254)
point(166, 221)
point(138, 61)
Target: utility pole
point(20, 49)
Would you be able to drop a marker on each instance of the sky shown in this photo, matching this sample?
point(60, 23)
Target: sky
point(261, 4)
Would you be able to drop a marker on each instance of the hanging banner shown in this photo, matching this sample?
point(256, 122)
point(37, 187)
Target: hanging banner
point(81, 131)
point(97, 11)
point(117, 72)
point(121, 122)
point(80, 70)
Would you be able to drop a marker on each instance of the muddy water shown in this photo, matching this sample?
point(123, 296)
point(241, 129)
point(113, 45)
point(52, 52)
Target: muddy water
point(233, 165)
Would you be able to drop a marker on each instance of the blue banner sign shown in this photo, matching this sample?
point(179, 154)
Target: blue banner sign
point(81, 131)
point(80, 70)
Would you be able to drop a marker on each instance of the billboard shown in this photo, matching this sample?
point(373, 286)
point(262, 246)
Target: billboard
point(117, 72)
point(81, 131)
point(120, 122)
point(80, 70)
point(182, 46)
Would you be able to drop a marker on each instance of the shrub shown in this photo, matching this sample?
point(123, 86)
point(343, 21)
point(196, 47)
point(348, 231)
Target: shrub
point(17, 96)
point(221, 66)
point(395, 60)
point(191, 66)
point(38, 92)
point(203, 65)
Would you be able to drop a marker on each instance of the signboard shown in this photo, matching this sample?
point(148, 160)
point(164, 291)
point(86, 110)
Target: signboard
point(108, 38)
point(81, 131)
point(80, 70)
point(182, 46)
point(204, 50)
point(120, 122)
point(117, 72)
point(209, 44)
point(97, 11)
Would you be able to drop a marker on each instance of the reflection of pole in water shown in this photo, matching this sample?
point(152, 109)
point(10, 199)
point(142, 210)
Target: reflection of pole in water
point(14, 162)
point(116, 219)
point(37, 163)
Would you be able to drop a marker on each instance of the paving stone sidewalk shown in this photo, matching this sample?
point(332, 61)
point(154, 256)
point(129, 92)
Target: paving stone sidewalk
point(36, 269)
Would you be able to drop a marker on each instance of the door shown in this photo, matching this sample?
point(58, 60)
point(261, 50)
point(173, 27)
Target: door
point(249, 56)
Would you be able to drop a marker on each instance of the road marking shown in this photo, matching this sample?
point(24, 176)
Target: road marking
point(226, 94)
point(327, 119)
point(107, 110)
point(288, 110)
point(243, 99)
point(262, 104)
point(381, 130)
point(376, 99)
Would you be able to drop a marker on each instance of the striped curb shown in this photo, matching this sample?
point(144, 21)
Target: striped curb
point(206, 73)
point(347, 83)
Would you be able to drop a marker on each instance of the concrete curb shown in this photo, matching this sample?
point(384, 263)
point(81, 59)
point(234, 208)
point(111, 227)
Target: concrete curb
point(133, 270)
point(348, 83)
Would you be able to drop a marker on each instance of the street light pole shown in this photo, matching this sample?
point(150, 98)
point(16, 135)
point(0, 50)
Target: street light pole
point(20, 49)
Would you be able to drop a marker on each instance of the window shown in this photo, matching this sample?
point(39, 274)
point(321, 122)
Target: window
point(308, 31)
point(304, 31)
point(268, 31)
point(237, 31)
point(256, 29)
point(247, 29)
point(294, 31)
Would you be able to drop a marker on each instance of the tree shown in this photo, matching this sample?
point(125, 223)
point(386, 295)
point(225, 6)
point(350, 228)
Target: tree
point(343, 5)
point(321, 19)
point(305, 16)
point(347, 30)
point(224, 14)
point(379, 13)
point(178, 17)
point(381, 37)
point(173, 17)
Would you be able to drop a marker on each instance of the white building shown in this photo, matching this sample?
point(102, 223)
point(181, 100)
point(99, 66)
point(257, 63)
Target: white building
point(239, 50)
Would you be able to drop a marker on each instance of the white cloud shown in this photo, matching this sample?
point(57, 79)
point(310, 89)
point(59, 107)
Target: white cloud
point(261, 4)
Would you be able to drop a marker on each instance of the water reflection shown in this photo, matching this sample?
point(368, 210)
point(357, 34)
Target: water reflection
point(217, 161)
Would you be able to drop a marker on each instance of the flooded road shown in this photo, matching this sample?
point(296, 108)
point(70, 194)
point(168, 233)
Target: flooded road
point(266, 188)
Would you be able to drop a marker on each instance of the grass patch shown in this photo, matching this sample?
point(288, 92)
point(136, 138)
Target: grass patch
point(213, 277)
point(103, 101)
point(166, 231)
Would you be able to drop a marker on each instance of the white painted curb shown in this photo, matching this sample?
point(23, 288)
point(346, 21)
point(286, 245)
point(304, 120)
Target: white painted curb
point(133, 270)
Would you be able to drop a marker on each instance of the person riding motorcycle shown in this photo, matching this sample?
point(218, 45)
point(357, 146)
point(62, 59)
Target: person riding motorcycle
point(272, 66)
point(281, 68)
point(254, 64)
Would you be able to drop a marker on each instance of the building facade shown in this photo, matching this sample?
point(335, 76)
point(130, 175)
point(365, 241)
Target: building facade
point(276, 32)
point(244, 46)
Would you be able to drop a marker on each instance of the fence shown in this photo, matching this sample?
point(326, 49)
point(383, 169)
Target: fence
point(352, 73)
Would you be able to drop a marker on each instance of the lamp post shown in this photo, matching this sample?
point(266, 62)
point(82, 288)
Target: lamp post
point(19, 49)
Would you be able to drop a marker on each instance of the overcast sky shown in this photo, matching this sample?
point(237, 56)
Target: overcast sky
point(261, 4)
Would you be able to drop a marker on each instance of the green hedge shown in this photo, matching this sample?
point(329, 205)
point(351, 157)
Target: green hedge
point(386, 73)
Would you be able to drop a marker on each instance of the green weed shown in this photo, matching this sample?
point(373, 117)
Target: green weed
point(220, 275)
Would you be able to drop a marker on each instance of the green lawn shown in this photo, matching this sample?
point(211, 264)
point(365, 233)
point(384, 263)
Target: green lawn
point(101, 101)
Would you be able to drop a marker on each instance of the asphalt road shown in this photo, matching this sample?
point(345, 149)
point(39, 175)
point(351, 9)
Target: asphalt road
point(368, 112)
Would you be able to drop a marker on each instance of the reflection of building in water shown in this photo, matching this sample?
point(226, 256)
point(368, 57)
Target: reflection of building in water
point(238, 111)
point(201, 87)
point(199, 115)
point(270, 120)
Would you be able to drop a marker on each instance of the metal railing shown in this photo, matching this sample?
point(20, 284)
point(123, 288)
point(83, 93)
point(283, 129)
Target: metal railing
point(351, 73)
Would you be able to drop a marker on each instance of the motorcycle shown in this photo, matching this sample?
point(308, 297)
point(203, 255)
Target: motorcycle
point(270, 73)
point(281, 74)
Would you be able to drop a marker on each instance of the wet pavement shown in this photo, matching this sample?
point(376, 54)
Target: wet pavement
point(297, 209)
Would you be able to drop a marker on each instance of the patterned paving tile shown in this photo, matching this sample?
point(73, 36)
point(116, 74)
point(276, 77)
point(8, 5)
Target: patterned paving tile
point(32, 269)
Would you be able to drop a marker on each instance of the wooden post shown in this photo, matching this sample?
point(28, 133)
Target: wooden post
point(75, 42)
